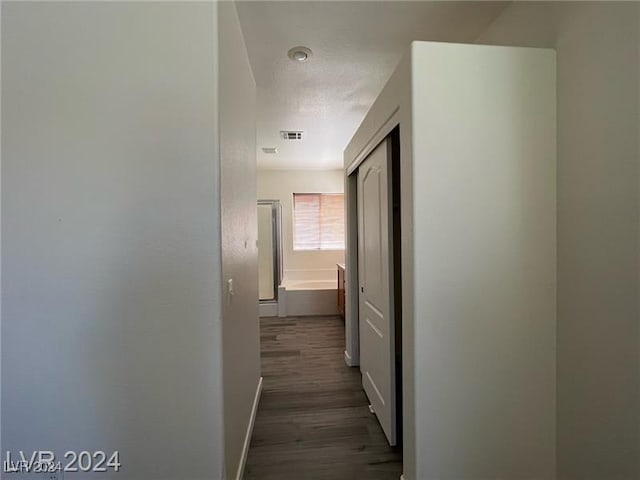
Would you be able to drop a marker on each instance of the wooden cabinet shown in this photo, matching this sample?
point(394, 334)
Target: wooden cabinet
point(341, 289)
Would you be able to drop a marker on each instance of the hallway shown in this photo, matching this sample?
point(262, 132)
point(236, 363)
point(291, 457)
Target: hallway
point(313, 421)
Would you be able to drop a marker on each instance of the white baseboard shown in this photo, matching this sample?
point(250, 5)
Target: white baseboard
point(269, 309)
point(348, 360)
point(247, 438)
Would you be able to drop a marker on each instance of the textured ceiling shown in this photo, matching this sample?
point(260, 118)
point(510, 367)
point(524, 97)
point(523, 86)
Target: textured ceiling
point(356, 46)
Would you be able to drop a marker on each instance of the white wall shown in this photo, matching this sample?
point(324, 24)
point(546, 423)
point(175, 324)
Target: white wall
point(598, 193)
point(484, 261)
point(477, 161)
point(111, 237)
point(281, 185)
point(240, 328)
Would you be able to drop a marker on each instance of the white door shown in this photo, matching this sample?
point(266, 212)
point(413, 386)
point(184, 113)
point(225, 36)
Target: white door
point(377, 350)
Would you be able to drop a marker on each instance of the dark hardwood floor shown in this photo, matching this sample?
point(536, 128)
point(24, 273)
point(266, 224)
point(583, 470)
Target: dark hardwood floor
point(313, 420)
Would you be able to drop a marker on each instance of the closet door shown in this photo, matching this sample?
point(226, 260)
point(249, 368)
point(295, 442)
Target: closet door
point(377, 350)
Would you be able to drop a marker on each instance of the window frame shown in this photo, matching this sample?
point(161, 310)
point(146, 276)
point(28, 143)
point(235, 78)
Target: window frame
point(293, 221)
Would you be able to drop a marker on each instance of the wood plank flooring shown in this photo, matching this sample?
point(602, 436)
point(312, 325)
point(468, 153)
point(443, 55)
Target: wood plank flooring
point(313, 421)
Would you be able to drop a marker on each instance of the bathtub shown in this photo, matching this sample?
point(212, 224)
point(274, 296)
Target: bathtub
point(310, 285)
point(307, 297)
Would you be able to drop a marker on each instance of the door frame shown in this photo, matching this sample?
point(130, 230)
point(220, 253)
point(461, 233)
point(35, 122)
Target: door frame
point(392, 109)
point(352, 321)
point(391, 132)
point(391, 144)
point(277, 247)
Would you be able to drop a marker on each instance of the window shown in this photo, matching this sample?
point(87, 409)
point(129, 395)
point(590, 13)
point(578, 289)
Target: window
point(318, 221)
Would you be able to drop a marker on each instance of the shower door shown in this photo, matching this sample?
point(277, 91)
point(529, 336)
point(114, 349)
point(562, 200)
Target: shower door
point(269, 250)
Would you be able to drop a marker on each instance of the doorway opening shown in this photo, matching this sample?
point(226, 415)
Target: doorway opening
point(397, 273)
point(314, 417)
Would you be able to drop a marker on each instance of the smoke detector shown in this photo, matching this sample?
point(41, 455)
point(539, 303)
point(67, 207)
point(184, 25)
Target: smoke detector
point(291, 134)
point(299, 54)
point(270, 150)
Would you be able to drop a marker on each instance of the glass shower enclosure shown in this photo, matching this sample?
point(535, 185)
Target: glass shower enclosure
point(269, 250)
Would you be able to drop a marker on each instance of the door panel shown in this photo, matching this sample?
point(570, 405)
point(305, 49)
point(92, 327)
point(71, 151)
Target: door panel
point(377, 342)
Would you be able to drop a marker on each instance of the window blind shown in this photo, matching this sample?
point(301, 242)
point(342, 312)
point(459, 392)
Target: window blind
point(318, 221)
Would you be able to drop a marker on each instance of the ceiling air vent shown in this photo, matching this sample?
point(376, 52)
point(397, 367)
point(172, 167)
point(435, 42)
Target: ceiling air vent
point(291, 135)
point(270, 150)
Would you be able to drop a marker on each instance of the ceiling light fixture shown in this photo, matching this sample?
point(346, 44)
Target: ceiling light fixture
point(299, 54)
